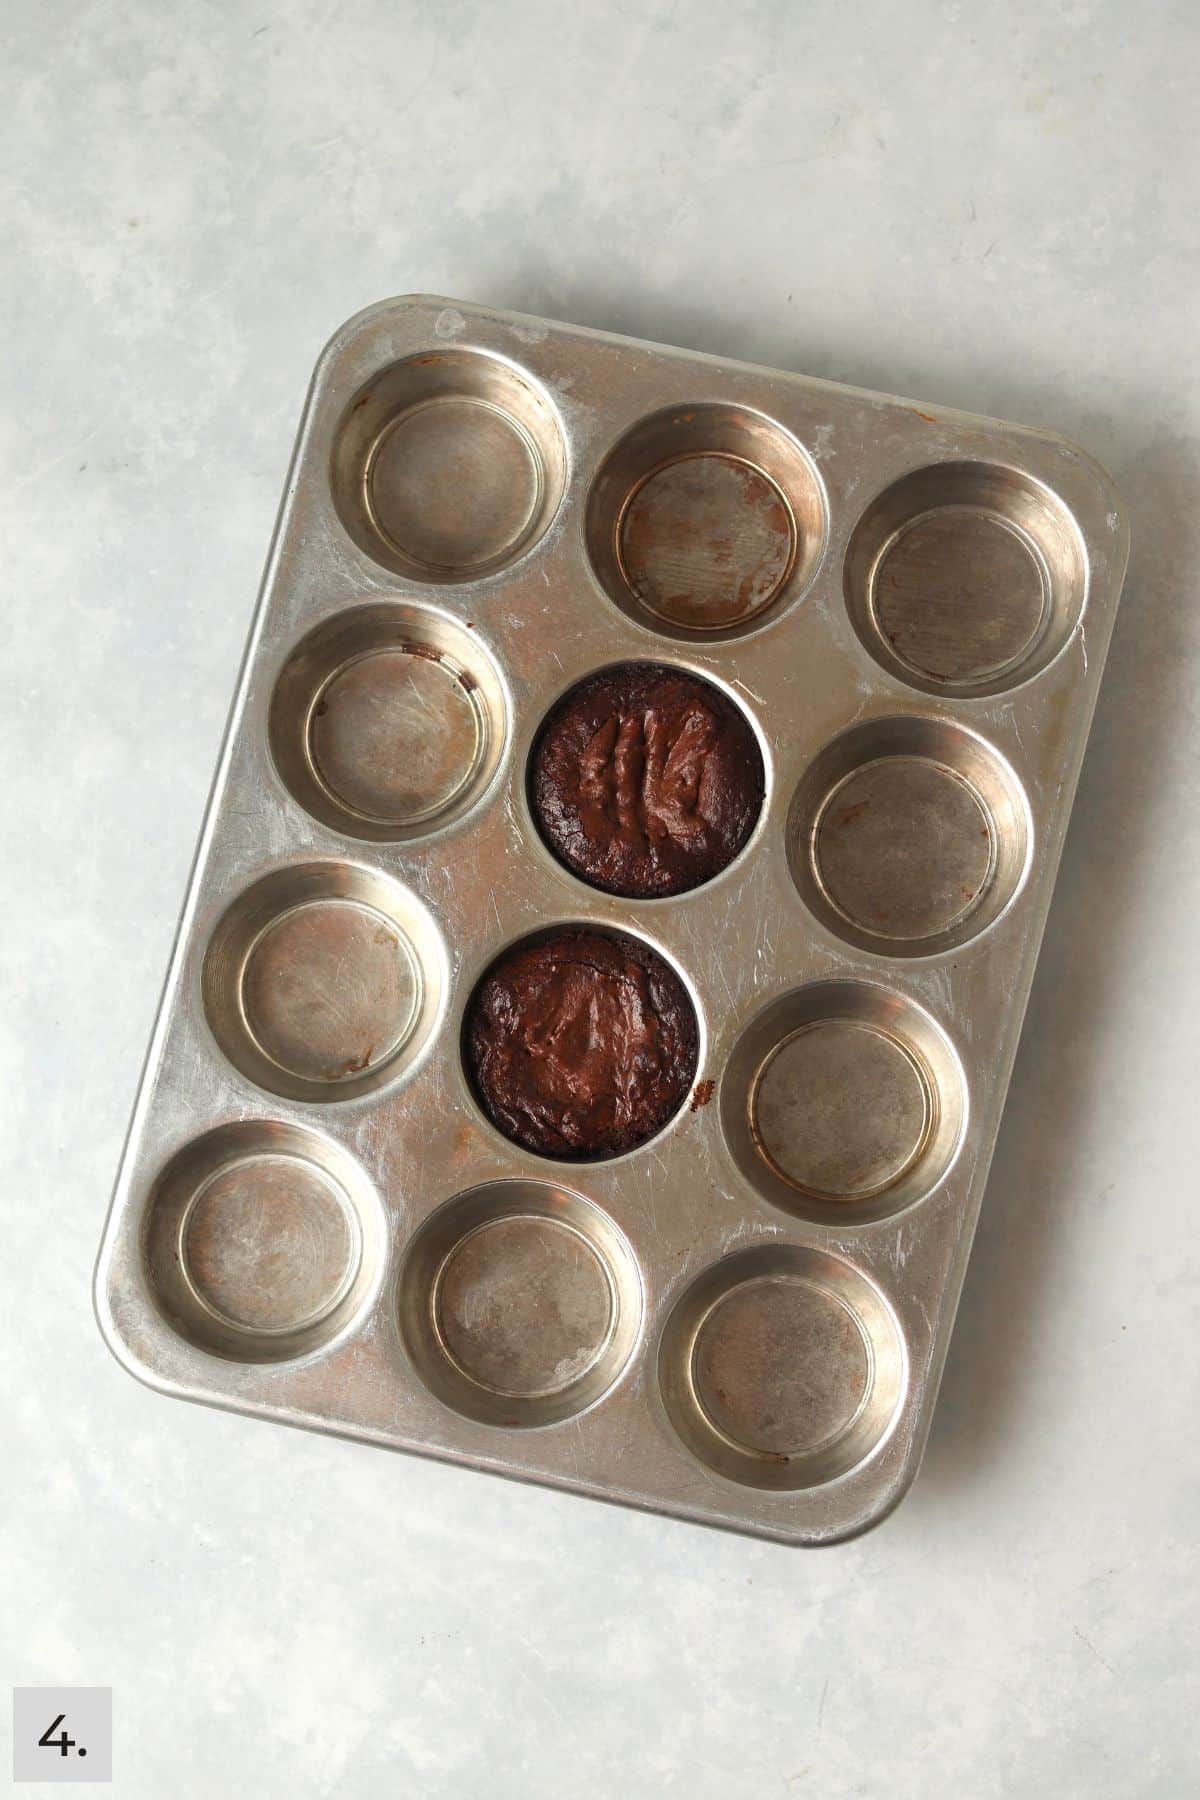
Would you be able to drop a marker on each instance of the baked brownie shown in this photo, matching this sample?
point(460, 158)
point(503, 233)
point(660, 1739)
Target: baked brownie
point(646, 781)
point(581, 1043)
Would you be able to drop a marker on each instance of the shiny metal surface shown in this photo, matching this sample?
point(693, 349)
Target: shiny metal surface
point(744, 1321)
point(843, 1101)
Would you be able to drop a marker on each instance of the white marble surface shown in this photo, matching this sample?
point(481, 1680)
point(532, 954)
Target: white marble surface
point(995, 208)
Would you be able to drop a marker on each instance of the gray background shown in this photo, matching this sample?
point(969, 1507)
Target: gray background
point(993, 208)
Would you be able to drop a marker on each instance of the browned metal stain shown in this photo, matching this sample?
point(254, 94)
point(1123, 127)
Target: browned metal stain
point(706, 539)
point(425, 650)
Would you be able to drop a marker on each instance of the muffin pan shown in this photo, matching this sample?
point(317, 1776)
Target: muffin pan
point(742, 1320)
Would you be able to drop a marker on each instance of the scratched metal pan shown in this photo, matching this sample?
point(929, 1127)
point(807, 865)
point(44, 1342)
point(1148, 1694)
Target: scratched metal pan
point(743, 1321)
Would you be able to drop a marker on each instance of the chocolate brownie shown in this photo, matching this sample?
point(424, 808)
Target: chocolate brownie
point(581, 1043)
point(646, 781)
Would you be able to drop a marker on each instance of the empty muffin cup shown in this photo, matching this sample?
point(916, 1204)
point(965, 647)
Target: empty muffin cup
point(323, 980)
point(781, 1367)
point(704, 521)
point(965, 578)
point(388, 722)
point(843, 1102)
point(448, 466)
point(519, 1303)
point(262, 1241)
point(908, 836)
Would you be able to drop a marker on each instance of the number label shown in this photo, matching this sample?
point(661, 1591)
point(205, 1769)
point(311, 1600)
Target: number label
point(63, 1743)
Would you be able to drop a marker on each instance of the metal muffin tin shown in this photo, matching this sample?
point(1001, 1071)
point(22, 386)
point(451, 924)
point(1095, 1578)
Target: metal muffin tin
point(743, 1322)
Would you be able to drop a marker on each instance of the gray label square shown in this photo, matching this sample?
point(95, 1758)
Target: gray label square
point(82, 1738)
